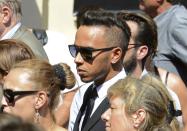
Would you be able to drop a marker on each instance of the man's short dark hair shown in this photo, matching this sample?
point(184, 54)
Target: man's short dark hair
point(110, 20)
point(147, 30)
point(174, 1)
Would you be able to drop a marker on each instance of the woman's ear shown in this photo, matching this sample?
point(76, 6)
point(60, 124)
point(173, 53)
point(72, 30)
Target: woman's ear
point(138, 118)
point(116, 55)
point(41, 99)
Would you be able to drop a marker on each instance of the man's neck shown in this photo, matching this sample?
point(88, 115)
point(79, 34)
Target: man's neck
point(137, 73)
point(138, 70)
point(165, 6)
point(7, 28)
point(109, 76)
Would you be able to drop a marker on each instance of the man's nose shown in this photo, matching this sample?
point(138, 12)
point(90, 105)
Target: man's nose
point(3, 102)
point(78, 58)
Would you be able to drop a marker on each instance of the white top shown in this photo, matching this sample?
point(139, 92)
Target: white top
point(174, 96)
point(177, 104)
point(11, 32)
point(78, 98)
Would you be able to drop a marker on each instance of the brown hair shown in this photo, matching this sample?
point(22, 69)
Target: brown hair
point(147, 32)
point(43, 76)
point(65, 74)
point(11, 52)
point(149, 94)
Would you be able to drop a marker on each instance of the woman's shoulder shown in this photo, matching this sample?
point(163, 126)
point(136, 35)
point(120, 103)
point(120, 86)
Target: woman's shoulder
point(175, 82)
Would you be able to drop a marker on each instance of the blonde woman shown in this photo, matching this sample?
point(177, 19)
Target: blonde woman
point(139, 105)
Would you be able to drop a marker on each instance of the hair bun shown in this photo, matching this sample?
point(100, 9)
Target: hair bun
point(59, 71)
point(173, 112)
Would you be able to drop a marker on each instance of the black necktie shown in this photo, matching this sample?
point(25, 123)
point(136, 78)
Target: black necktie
point(88, 103)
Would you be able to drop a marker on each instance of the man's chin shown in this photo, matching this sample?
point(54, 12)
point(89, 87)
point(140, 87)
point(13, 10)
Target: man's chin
point(86, 80)
point(6, 111)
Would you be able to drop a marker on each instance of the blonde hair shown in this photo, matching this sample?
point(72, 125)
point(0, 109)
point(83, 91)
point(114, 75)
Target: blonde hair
point(149, 94)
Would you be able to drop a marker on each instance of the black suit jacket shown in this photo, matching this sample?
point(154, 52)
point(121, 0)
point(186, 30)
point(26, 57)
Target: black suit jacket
point(95, 123)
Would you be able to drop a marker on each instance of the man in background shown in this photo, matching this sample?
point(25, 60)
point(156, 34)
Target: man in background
point(141, 50)
point(142, 45)
point(171, 19)
point(11, 27)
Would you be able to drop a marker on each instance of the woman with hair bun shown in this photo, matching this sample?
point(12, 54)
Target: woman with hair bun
point(68, 80)
point(31, 90)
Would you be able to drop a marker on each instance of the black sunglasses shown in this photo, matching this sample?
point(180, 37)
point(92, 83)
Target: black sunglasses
point(3, 72)
point(10, 94)
point(135, 46)
point(86, 52)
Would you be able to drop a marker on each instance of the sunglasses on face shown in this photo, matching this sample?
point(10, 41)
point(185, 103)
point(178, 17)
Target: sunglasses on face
point(86, 52)
point(135, 46)
point(3, 72)
point(10, 94)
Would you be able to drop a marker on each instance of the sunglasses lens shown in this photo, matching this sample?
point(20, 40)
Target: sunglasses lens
point(73, 50)
point(9, 96)
point(86, 53)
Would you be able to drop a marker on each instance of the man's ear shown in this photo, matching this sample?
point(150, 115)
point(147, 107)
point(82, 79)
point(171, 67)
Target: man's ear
point(138, 117)
point(160, 1)
point(116, 55)
point(141, 53)
point(41, 99)
point(6, 14)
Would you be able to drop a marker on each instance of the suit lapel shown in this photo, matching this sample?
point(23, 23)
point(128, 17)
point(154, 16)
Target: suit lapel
point(97, 114)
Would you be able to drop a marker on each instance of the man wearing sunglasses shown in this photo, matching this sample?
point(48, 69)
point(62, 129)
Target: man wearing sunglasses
point(142, 45)
point(100, 44)
point(141, 49)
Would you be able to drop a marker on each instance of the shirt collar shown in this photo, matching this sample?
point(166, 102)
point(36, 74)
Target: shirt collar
point(160, 16)
point(144, 73)
point(102, 89)
point(11, 32)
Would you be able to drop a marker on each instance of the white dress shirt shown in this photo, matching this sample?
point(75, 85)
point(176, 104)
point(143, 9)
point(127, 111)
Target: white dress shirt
point(11, 32)
point(78, 98)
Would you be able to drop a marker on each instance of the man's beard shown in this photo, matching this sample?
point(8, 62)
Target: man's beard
point(130, 64)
